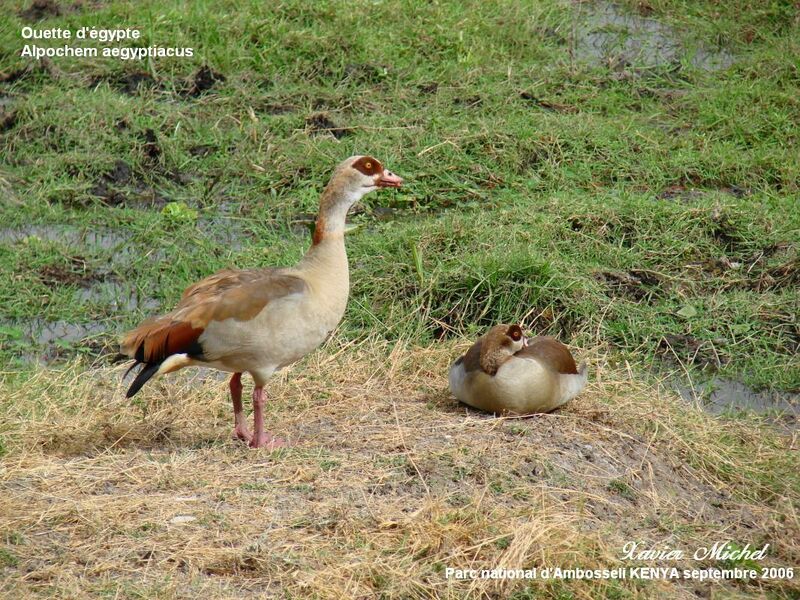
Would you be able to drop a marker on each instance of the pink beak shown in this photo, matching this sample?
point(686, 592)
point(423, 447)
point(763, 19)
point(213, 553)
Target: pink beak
point(389, 179)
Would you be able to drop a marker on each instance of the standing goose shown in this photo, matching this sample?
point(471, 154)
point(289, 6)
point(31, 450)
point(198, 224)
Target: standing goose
point(261, 320)
point(503, 372)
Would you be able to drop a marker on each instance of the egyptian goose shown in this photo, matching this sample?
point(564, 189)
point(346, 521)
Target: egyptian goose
point(261, 320)
point(503, 372)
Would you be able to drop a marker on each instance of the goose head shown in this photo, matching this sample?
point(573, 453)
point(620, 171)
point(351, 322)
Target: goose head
point(353, 179)
point(357, 176)
point(499, 344)
point(372, 175)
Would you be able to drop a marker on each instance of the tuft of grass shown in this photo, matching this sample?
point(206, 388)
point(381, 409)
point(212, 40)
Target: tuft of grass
point(621, 488)
point(7, 559)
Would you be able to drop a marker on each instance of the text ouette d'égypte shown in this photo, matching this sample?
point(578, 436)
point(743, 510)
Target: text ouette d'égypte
point(82, 33)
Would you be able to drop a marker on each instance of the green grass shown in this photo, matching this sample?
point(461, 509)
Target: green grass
point(539, 186)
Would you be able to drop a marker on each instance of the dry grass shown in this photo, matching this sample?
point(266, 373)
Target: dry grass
point(388, 483)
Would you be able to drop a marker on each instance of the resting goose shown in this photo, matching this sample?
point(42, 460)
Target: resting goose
point(258, 321)
point(503, 372)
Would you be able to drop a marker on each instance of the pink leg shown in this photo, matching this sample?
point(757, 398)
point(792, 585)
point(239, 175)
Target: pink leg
point(262, 439)
point(240, 431)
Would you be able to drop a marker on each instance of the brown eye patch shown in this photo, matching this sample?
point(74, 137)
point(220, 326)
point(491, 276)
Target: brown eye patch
point(368, 166)
point(515, 333)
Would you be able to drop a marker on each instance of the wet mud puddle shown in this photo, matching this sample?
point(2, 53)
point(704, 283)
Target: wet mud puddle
point(95, 289)
point(608, 34)
point(727, 397)
point(41, 340)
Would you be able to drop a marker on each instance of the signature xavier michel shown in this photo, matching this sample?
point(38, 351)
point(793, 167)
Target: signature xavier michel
point(717, 551)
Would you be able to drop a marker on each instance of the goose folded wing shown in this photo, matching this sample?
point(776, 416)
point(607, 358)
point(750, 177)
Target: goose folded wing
point(228, 294)
point(551, 353)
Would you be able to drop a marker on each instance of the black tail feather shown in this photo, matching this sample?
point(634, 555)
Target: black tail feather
point(135, 364)
point(142, 377)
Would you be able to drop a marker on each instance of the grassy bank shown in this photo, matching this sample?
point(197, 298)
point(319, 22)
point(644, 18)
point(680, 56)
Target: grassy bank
point(651, 209)
point(625, 177)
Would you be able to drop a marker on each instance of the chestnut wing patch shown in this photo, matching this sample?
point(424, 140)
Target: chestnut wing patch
point(158, 338)
point(552, 353)
point(472, 359)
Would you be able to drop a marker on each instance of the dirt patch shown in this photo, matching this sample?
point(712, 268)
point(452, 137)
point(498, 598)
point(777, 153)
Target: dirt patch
point(786, 275)
point(75, 272)
point(725, 231)
point(688, 349)
point(202, 150)
point(751, 271)
point(320, 124)
point(121, 187)
point(120, 174)
point(42, 68)
point(151, 148)
point(468, 101)
point(41, 9)
point(712, 267)
point(204, 80)
point(680, 193)
point(131, 84)
point(8, 120)
point(428, 88)
point(323, 104)
point(533, 100)
point(636, 285)
point(622, 231)
point(152, 154)
point(737, 191)
point(276, 108)
point(364, 73)
point(17, 74)
point(106, 186)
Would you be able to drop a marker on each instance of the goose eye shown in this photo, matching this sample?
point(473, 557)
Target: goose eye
point(368, 165)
